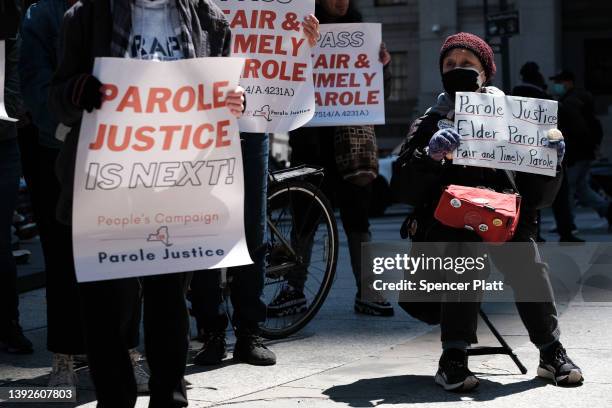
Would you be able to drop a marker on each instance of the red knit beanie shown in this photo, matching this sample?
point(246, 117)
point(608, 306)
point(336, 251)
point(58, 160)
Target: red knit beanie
point(477, 45)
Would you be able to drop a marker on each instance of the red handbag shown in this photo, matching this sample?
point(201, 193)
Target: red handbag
point(493, 216)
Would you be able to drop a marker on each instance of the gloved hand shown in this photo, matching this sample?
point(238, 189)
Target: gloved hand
point(555, 141)
point(86, 92)
point(443, 142)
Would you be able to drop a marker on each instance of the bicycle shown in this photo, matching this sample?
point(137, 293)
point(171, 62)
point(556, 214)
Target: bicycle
point(302, 241)
point(301, 223)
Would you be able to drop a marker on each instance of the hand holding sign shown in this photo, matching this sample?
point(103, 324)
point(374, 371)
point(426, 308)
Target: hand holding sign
point(235, 101)
point(555, 140)
point(311, 29)
point(443, 142)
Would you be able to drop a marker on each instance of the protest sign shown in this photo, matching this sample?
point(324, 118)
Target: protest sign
point(348, 76)
point(3, 114)
point(158, 181)
point(277, 73)
point(505, 132)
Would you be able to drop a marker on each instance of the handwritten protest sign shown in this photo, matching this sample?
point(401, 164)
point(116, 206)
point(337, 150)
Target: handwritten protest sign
point(505, 132)
point(159, 183)
point(348, 76)
point(3, 114)
point(278, 69)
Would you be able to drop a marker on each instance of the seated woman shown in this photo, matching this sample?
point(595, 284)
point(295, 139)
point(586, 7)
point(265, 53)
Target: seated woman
point(467, 65)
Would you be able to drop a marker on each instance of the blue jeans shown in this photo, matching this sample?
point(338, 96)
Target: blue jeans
point(10, 171)
point(247, 282)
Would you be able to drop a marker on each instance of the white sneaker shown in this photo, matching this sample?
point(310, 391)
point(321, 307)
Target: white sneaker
point(63, 374)
point(140, 374)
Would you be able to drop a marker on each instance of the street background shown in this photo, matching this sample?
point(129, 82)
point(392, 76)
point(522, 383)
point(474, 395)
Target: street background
point(345, 359)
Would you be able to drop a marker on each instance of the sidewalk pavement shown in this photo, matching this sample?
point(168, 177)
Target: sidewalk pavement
point(344, 359)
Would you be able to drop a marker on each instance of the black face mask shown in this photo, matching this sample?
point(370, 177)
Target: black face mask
point(460, 80)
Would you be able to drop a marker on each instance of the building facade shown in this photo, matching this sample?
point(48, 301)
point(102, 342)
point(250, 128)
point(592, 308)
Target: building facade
point(570, 34)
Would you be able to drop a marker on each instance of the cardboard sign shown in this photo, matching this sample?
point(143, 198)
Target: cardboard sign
point(159, 180)
point(277, 73)
point(505, 132)
point(3, 114)
point(348, 76)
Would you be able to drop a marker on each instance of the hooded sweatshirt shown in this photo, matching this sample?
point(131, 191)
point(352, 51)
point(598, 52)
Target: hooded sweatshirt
point(155, 31)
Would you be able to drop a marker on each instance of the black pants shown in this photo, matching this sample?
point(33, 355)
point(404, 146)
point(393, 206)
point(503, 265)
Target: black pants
point(64, 328)
point(562, 209)
point(9, 185)
point(109, 336)
point(459, 320)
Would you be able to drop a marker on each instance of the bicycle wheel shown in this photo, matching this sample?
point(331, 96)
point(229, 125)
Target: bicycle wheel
point(302, 239)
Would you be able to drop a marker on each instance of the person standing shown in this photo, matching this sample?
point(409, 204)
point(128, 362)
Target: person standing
point(12, 338)
point(534, 86)
point(40, 31)
point(317, 146)
point(123, 29)
point(247, 281)
point(582, 145)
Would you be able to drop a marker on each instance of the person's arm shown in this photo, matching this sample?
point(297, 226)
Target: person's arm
point(72, 65)
point(36, 66)
point(385, 59)
point(12, 95)
point(227, 42)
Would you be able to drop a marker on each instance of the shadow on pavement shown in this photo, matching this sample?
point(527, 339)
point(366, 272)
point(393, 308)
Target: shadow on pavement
point(410, 389)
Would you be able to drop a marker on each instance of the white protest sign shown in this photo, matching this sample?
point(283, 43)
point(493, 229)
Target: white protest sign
point(3, 114)
point(505, 132)
point(277, 73)
point(158, 181)
point(348, 76)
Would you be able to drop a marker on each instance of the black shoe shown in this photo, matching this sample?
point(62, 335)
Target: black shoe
point(555, 365)
point(289, 302)
point(609, 217)
point(381, 308)
point(453, 372)
point(250, 349)
point(570, 238)
point(214, 349)
point(13, 341)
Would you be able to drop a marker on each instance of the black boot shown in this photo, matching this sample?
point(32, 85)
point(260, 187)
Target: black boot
point(250, 349)
point(214, 349)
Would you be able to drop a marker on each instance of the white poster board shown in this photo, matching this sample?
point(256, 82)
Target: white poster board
point(277, 73)
point(3, 114)
point(348, 76)
point(159, 182)
point(505, 132)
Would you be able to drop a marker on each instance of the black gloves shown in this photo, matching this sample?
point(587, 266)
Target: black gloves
point(87, 92)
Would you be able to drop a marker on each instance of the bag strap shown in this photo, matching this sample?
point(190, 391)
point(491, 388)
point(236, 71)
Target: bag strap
point(512, 181)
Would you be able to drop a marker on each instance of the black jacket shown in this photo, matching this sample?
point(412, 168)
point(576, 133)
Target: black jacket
point(582, 138)
point(86, 34)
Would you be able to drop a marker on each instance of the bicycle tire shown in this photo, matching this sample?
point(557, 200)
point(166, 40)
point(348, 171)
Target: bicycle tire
point(325, 205)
